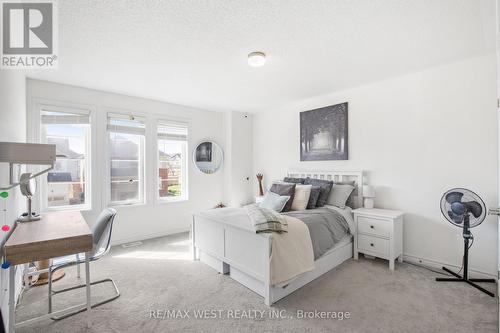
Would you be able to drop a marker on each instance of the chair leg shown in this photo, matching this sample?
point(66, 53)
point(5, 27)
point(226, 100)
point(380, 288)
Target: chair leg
point(87, 289)
point(107, 300)
point(50, 288)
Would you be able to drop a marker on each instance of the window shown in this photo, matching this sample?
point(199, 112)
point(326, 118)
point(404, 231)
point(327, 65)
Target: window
point(67, 186)
point(172, 159)
point(126, 159)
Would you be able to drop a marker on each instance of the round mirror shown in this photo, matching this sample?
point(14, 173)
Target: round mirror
point(208, 157)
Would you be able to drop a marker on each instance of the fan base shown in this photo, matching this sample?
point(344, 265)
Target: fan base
point(467, 280)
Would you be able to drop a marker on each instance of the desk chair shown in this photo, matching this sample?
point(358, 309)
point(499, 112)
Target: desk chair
point(101, 238)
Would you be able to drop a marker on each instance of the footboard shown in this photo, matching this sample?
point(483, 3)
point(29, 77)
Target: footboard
point(245, 256)
point(230, 249)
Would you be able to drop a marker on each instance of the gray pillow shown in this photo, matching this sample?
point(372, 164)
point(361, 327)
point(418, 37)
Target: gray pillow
point(350, 202)
point(313, 197)
point(340, 194)
point(284, 189)
point(294, 180)
point(326, 187)
point(274, 201)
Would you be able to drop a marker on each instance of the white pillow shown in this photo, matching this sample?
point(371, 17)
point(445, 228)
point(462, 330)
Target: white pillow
point(301, 197)
point(274, 201)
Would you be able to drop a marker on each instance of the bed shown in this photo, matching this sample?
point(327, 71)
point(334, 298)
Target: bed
point(222, 242)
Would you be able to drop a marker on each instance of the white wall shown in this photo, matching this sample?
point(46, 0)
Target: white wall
point(238, 158)
point(12, 129)
point(152, 219)
point(415, 136)
point(497, 3)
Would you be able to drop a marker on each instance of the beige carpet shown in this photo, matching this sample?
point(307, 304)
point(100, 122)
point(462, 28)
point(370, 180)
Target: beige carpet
point(159, 276)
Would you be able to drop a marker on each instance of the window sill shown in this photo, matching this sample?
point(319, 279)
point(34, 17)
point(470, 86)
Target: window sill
point(85, 209)
point(122, 205)
point(171, 200)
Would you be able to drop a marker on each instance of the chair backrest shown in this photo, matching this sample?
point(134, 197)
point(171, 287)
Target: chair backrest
point(101, 232)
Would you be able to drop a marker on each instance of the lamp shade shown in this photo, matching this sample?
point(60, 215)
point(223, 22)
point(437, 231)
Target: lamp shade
point(368, 191)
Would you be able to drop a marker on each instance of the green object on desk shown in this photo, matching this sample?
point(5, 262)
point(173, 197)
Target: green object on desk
point(4, 195)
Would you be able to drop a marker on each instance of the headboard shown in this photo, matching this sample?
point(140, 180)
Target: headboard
point(338, 176)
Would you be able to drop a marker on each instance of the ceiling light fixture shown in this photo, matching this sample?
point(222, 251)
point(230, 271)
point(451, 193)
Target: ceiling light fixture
point(256, 59)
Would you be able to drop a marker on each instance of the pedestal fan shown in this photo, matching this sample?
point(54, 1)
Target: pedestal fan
point(465, 209)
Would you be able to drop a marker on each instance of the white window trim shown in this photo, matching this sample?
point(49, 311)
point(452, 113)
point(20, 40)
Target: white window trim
point(99, 158)
point(143, 159)
point(34, 129)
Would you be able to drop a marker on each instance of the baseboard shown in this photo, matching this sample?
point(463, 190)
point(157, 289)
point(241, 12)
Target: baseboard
point(149, 236)
point(407, 257)
point(437, 264)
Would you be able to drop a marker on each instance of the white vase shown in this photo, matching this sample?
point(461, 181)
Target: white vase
point(368, 203)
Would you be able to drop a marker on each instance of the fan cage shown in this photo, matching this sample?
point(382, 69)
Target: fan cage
point(468, 195)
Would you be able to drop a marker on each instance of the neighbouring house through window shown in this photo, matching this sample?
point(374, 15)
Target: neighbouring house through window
point(126, 159)
point(172, 160)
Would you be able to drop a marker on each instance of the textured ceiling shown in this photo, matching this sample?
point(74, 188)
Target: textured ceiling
point(194, 52)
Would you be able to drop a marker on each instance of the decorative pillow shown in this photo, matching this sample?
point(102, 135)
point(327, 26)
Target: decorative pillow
point(274, 201)
point(294, 180)
point(326, 187)
point(340, 194)
point(301, 197)
point(284, 189)
point(350, 202)
point(313, 197)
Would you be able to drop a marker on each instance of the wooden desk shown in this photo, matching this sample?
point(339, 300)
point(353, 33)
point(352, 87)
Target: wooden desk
point(56, 234)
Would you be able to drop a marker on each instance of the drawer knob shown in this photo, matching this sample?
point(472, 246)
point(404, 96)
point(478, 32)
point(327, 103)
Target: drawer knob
point(372, 227)
point(371, 244)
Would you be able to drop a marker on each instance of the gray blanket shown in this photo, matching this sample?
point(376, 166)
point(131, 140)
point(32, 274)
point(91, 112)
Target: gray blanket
point(326, 226)
point(266, 220)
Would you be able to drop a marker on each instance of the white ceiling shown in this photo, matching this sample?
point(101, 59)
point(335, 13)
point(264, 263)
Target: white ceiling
point(194, 52)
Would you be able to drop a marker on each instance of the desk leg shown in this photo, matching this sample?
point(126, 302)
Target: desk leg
point(12, 298)
point(87, 282)
point(78, 266)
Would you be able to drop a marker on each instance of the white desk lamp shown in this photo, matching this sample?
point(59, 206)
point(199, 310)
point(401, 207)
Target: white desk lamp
point(369, 195)
point(27, 184)
point(28, 154)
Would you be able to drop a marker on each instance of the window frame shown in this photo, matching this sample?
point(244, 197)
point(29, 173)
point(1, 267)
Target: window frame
point(38, 135)
point(99, 158)
point(184, 162)
point(142, 159)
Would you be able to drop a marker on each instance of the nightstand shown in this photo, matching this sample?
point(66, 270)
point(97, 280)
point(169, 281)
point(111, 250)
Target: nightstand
point(258, 199)
point(379, 233)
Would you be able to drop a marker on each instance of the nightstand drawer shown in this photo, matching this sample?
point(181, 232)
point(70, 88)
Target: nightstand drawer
point(373, 226)
point(373, 244)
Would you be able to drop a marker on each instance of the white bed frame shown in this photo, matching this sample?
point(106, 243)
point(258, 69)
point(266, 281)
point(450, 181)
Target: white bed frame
point(244, 255)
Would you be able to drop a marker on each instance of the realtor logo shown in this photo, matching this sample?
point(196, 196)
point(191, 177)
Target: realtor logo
point(28, 35)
